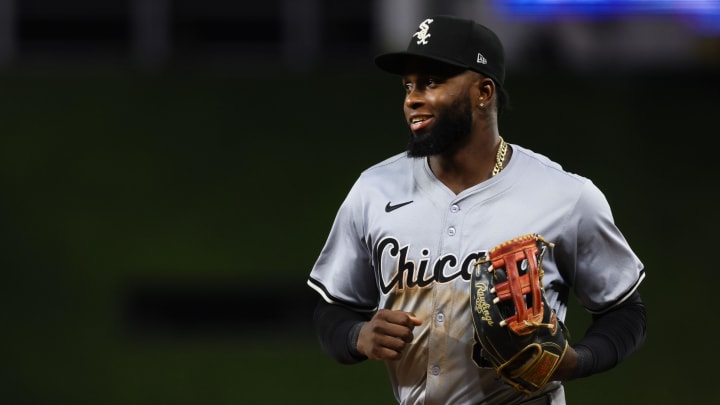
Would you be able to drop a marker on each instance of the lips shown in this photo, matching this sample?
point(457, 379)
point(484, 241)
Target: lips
point(418, 122)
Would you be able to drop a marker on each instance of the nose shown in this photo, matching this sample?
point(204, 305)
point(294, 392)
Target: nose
point(413, 99)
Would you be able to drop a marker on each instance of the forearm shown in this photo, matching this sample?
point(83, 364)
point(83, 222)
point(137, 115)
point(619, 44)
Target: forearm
point(611, 338)
point(337, 329)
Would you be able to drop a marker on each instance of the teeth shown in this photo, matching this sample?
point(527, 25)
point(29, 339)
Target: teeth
point(416, 120)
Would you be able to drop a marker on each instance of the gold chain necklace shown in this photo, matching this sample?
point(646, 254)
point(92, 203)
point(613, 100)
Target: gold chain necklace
point(500, 157)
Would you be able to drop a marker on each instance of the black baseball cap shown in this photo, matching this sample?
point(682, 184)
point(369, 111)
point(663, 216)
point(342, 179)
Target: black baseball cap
point(454, 41)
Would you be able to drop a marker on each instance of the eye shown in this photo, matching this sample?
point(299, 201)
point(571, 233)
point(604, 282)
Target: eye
point(430, 82)
point(407, 86)
point(434, 81)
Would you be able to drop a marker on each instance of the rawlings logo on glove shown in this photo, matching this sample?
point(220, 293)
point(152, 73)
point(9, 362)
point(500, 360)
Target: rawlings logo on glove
point(519, 334)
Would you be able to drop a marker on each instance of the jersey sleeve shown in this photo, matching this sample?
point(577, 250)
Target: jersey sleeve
point(607, 271)
point(343, 272)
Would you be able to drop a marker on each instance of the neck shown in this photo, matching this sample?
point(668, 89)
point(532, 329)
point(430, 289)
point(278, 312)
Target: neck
point(472, 164)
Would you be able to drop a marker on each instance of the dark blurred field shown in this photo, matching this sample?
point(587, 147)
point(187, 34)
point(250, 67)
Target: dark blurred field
point(157, 231)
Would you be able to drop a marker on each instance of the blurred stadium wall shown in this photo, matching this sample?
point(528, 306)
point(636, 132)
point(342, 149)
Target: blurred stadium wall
point(169, 170)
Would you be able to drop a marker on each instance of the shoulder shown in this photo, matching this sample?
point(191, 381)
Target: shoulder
point(531, 158)
point(385, 177)
point(548, 180)
point(538, 166)
point(396, 163)
point(389, 171)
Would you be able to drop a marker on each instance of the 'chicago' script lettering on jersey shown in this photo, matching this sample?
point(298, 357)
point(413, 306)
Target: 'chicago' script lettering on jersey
point(408, 273)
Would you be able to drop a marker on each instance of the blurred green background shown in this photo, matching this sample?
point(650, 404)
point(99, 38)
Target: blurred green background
point(157, 230)
point(169, 170)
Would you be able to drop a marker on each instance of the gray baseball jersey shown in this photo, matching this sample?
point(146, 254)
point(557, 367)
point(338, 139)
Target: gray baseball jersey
point(402, 240)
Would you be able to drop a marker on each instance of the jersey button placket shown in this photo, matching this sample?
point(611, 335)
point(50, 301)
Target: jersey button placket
point(442, 297)
point(454, 209)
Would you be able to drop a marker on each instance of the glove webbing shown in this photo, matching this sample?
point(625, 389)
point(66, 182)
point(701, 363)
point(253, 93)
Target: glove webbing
point(526, 319)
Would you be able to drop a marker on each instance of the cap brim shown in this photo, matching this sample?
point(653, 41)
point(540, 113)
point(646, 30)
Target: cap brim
point(400, 62)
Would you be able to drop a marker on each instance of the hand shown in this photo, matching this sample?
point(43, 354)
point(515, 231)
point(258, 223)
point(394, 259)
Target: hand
point(385, 335)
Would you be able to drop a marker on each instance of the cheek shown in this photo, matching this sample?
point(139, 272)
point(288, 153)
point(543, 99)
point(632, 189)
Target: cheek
point(406, 113)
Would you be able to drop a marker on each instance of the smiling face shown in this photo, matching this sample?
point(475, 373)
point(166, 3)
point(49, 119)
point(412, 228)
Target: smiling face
point(438, 108)
point(446, 130)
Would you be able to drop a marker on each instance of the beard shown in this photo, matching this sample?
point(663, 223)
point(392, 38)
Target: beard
point(450, 131)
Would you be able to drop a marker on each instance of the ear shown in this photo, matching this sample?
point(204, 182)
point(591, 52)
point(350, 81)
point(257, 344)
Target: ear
point(485, 91)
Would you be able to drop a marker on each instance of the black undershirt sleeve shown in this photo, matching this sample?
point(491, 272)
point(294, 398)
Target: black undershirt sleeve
point(337, 328)
point(611, 337)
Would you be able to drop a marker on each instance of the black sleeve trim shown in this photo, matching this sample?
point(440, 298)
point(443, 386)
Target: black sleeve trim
point(325, 294)
point(612, 337)
point(623, 298)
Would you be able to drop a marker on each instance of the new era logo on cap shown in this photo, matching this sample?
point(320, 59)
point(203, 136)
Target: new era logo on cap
point(453, 41)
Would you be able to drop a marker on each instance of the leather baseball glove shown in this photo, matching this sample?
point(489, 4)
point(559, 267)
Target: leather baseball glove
point(516, 331)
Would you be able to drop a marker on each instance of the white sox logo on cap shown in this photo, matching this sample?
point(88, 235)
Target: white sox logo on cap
point(422, 34)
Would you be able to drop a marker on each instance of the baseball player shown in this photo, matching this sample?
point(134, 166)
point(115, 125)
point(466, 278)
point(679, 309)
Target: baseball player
point(393, 275)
